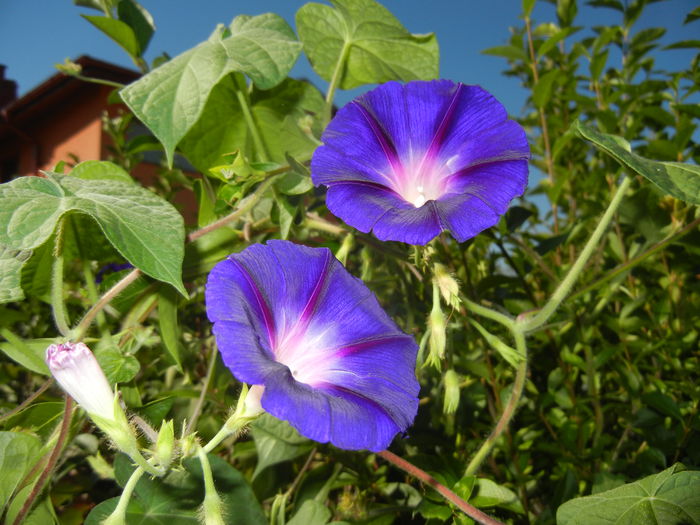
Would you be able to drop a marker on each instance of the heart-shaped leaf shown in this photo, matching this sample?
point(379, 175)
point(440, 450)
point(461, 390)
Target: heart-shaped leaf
point(171, 98)
point(377, 47)
point(143, 227)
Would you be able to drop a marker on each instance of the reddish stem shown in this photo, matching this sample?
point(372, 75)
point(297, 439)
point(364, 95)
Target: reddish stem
point(450, 496)
point(53, 459)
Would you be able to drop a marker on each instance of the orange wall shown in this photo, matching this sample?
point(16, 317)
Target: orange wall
point(71, 128)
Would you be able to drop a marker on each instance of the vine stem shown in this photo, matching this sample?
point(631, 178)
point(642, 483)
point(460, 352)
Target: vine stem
point(203, 394)
point(503, 319)
point(53, 459)
point(250, 121)
point(118, 516)
point(528, 324)
point(508, 411)
point(110, 294)
point(543, 120)
point(450, 496)
point(335, 81)
point(212, 501)
point(24, 404)
point(58, 306)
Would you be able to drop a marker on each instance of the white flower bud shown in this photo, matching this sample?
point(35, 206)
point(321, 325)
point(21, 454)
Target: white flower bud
point(75, 368)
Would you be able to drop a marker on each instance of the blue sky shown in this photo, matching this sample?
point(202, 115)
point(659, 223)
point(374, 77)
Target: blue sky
point(36, 34)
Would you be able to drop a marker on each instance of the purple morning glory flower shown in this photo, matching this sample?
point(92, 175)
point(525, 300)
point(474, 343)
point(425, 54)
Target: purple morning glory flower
point(331, 361)
point(409, 161)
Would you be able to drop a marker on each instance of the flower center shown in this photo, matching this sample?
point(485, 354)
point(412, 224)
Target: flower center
point(305, 354)
point(420, 182)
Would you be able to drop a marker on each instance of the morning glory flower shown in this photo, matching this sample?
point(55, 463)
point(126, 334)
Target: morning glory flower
point(312, 338)
point(410, 161)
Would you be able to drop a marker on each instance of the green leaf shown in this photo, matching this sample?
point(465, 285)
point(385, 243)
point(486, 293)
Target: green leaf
point(170, 99)
point(276, 441)
point(40, 418)
point(684, 44)
point(11, 263)
point(118, 366)
point(176, 498)
point(668, 498)
point(612, 4)
point(692, 16)
point(18, 452)
point(277, 112)
point(677, 179)
point(118, 31)
point(286, 212)
point(100, 170)
point(144, 228)
point(376, 46)
point(42, 512)
point(527, 7)
point(542, 91)
point(553, 40)
point(294, 183)
point(139, 20)
point(167, 322)
point(486, 493)
point(663, 403)
point(311, 512)
point(509, 52)
point(508, 353)
point(28, 353)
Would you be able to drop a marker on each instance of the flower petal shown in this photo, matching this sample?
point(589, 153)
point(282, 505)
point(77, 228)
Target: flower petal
point(346, 419)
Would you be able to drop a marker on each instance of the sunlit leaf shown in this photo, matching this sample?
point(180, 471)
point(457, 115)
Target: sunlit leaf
point(147, 230)
point(378, 48)
point(677, 179)
point(170, 99)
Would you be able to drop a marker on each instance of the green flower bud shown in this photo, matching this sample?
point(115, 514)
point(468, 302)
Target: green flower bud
point(451, 400)
point(345, 247)
point(165, 444)
point(449, 287)
point(437, 325)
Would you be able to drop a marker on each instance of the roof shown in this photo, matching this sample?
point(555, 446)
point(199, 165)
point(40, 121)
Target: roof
point(60, 85)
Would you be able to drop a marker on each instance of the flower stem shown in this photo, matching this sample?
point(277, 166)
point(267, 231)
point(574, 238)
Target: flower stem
point(58, 306)
point(483, 311)
point(192, 423)
point(508, 410)
point(528, 324)
point(243, 100)
point(240, 419)
point(212, 501)
point(450, 496)
point(48, 469)
point(110, 294)
point(335, 82)
point(118, 516)
point(245, 206)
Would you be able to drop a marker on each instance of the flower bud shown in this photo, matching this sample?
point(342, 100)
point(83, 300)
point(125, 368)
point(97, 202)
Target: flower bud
point(437, 324)
point(449, 288)
point(75, 368)
point(165, 444)
point(77, 371)
point(451, 400)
